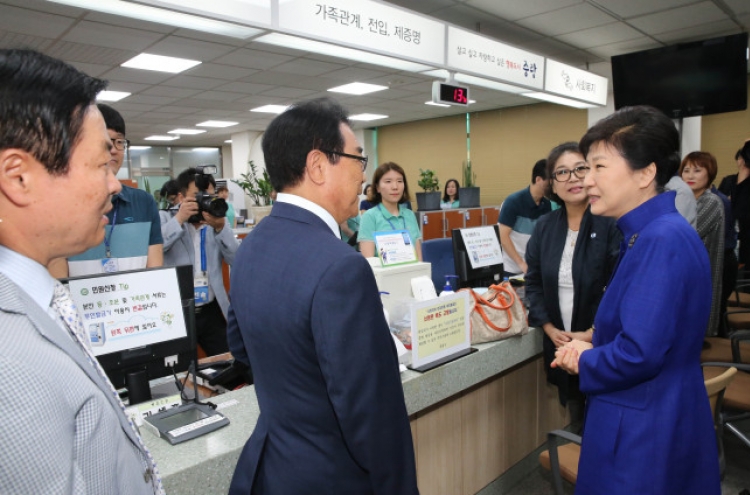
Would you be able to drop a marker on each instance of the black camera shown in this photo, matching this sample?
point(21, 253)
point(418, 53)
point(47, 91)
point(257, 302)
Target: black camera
point(210, 203)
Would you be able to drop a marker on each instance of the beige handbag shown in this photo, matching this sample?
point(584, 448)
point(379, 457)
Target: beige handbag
point(496, 314)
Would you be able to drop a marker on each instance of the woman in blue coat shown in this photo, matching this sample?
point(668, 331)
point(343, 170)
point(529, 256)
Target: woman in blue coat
point(648, 426)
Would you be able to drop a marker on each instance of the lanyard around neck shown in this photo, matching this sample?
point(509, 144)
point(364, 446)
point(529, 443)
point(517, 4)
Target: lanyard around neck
point(108, 238)
point(382, 212)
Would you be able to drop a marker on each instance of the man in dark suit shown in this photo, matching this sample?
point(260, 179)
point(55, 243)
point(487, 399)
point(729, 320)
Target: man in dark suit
point(306, 315)
point(63, 429)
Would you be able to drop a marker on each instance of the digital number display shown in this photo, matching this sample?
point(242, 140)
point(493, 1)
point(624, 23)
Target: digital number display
point(450, 94)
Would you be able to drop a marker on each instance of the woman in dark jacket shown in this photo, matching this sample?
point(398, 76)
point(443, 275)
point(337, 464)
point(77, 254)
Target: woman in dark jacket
point(570, 257)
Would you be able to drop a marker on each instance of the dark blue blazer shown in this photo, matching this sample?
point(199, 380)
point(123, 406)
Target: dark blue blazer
point(306, 315)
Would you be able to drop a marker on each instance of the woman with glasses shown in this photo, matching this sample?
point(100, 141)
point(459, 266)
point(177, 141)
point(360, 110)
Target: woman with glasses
point(389, 190)
point(648, 427)
point(570, 256)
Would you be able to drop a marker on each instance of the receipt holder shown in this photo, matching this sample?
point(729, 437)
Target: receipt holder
point(185, 422)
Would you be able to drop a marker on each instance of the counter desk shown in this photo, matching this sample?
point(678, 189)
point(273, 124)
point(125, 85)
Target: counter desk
point(471, 420)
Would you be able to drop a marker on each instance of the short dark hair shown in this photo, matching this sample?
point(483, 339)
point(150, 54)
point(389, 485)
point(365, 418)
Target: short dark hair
point(43, 102)
point(539, 170)
point(701, 159)
point(738, 154)
point(745, 153)
point(554, 155)
point(374, 196)
point(169, 188)
point(112, 118)
point(642, 135)
point(446, 198)
point(305, 126)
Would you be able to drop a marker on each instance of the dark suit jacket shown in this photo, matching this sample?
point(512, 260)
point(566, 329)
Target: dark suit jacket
point(594, 258)
point(307, 316)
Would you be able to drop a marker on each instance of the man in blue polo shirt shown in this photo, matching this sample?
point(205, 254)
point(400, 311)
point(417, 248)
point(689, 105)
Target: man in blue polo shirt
point(518, 216)
point(133, 237)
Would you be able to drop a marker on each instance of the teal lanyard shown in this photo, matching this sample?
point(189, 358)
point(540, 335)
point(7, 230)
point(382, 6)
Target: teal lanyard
point(382, 212)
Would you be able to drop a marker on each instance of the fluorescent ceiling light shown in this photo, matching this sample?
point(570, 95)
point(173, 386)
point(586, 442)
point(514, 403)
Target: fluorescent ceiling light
point(358, 88)
point(228, 141)
point(270, 109)
point(163, 16)
point(436, 104)
point(217, 123)
point(559, 100)
point(147, 61)
point(112, 95)
point(202, 150)
point(138, 148)
point(186, 131)
point(303, 44)
point(367, 116)
point(476, 81)
point(161, 138)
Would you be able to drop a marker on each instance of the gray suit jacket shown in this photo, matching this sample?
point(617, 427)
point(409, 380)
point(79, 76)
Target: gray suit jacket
point(178, 250)
point(62, 431)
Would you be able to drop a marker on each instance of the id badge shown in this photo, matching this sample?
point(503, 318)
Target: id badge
point(201, 289)
point(109, 265)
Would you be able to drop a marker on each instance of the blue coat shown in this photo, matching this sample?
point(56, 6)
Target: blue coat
point(307, 316)
point(648, 426)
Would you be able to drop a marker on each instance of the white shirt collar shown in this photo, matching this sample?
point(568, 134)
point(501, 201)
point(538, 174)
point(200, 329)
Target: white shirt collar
point(313, 208)
point(30, 276)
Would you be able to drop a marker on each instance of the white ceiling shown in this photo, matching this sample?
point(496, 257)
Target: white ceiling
point(237, 75)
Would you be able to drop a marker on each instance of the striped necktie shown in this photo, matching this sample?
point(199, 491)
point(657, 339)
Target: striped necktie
point(63, 303)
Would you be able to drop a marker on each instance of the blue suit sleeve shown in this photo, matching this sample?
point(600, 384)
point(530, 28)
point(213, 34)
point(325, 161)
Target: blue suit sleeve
point(649, 303)
point(234, 338)
point(359, 363)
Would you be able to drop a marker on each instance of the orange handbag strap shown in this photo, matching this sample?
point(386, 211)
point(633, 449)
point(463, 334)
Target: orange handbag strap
point(480, 301)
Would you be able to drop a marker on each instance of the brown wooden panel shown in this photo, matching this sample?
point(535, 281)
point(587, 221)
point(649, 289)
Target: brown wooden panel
point(432, 225)
point(482, 415)
point(490, 215)
point(722, 134)
point(520, 401)
point(475, 217)
point(454, 220)
point(439, 447)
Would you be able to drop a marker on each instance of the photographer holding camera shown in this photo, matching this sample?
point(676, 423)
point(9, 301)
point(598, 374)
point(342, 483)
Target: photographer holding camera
point(195, 233)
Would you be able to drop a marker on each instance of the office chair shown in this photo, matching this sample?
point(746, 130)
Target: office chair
point(734, 349)
point(439, 253)
point(736, 404)
point(562, 460)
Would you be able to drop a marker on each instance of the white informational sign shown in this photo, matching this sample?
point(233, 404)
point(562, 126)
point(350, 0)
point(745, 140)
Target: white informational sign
point(127, 310)
point(482, 246)
point(394, 247)
point(247, 12)
point(570, 82)
point(439, 328)
point(366, 24)
point(473, 53)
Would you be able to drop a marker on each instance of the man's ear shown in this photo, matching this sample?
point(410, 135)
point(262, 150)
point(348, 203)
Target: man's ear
point(315, 166)
point(16, 175)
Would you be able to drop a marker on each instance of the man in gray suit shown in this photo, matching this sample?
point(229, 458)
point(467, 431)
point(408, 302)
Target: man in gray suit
point(202, 240)
point(63, 430)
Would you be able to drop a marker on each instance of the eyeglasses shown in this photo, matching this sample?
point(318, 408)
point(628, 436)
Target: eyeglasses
point(360, 159)
point(120, 144)
point(563, 175)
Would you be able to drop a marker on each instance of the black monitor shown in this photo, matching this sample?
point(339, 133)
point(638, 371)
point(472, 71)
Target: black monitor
point(481, 276)
point(141, 324)
point(687, 79)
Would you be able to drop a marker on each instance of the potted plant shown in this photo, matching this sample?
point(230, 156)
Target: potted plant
point(258, 189)
point(468, 195)
point(430, 198)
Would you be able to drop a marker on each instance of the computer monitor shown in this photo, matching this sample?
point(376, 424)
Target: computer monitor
point(141, 324)
point(477, 256)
